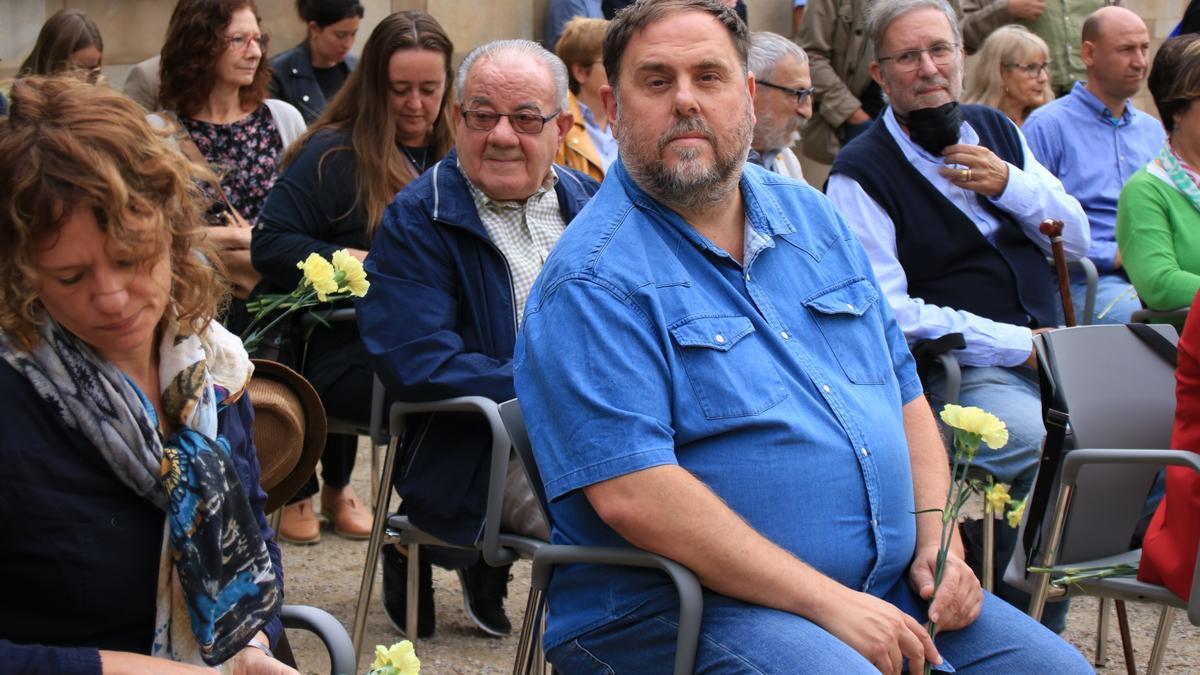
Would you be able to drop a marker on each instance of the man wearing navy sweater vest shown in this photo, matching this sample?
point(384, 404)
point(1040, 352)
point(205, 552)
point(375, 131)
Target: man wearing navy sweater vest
point(947, 200)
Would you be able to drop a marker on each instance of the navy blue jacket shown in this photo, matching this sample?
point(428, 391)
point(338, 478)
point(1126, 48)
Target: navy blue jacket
point(293, 80)
point(79, 551)
point(946, 259)
point(313, 207)
point(440, 321)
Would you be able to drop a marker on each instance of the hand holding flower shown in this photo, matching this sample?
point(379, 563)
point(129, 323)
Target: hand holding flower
point(959, 597)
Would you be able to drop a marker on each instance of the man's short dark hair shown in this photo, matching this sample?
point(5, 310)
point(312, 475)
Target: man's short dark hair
point(637, 17)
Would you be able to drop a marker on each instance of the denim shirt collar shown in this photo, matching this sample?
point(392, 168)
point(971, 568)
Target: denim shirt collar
point(758, 203)
point(1094, 105)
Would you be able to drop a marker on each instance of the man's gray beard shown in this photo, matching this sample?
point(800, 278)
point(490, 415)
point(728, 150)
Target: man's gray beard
point(690, 186)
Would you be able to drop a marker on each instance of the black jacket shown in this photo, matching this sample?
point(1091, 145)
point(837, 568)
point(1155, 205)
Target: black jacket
point(293, 80)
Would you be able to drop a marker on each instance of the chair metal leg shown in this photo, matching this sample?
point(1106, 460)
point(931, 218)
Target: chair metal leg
point(414, 590)
point(1160, 640)
point(989, 551)
point(1042, 586)
point(374, 473)
point(1102, 632)
point(274, 519)
point(382, 498)
point(523, 665)
point(1126, 641)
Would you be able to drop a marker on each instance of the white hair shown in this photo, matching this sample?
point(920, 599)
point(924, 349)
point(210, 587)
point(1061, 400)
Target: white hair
point(521, 50)
point(767, 49)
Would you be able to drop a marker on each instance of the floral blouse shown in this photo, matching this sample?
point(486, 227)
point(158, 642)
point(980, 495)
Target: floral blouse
point(245, 155)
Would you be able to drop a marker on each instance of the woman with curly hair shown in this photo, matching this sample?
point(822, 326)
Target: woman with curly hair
point(214, 81)
point(387, 125)
point(133, 537)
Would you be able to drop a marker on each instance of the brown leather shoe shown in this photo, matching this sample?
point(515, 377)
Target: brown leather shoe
point(299, 524)
point(350, 517)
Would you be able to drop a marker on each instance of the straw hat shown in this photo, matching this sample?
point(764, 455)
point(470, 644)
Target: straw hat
point(289, 429)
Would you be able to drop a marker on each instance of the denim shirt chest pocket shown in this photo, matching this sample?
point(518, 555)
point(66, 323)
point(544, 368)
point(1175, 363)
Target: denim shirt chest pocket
point(848, 318)
point(730, 370)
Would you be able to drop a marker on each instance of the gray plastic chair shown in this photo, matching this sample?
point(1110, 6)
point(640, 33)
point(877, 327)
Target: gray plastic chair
point(1173, 316)
point(333, 635)
point(497, 548)
point(1118, 394)
point(529, 654)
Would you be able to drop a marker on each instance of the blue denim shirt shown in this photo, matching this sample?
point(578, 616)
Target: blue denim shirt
point(778, 383)
point(1077, 139)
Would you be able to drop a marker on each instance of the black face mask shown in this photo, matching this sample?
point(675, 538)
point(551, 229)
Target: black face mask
point(934, 128)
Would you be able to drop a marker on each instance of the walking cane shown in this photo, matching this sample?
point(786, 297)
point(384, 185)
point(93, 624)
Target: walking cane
point(1053, 229)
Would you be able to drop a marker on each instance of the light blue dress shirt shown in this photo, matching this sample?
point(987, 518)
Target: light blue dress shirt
point(779, 383)
point(1031, 196)
point(561, 11)
point(1077, 139)
point(602, 139)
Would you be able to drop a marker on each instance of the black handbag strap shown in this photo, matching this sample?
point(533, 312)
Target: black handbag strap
point(1156, 342)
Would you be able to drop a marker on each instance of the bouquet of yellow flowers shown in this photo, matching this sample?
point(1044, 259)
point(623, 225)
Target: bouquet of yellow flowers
point(399, 659)
point(323, 282)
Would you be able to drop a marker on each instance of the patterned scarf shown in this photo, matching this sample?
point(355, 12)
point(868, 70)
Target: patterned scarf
point(1183, 177)
point(217, 586)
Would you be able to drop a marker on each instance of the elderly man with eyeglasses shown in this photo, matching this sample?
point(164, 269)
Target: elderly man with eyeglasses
point(1094, 140)
point(450, 268)
point(947, 200)
point(782, 101)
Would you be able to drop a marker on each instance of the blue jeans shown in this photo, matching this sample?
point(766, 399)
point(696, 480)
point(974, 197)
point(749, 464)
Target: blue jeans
point(1109, 287)
point(736, 637)
point(1012, 395)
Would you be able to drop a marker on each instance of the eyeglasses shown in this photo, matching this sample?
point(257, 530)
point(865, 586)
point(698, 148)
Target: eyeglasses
point(801, 95)
point(240, 43)
point(524, 122)
point(940, 53)
point(91, 75)
point(1033, 70)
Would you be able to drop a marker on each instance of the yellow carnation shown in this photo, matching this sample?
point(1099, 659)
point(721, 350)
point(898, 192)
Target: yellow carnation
point(976, 421)
point(318, 273)
point(354, 277)
point(1016, 513)
point(997, 497)
point(400, 656)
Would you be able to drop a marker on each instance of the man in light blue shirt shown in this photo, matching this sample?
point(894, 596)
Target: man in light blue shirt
point(1094, 139)
point(708, 371)
point(559, 12)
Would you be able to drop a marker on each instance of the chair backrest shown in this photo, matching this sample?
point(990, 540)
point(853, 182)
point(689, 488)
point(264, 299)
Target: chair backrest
point(514, 423)
point(1119, 394)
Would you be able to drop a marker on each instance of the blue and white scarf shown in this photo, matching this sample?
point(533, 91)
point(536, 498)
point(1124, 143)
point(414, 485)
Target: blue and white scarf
point(217, 586)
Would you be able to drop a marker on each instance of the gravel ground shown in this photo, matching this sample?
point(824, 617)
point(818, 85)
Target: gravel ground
point(328, 574)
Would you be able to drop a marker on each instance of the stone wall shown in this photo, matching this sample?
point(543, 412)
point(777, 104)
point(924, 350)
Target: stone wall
point(133, 29)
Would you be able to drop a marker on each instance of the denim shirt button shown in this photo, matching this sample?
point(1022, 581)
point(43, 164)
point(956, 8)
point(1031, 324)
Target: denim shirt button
point(866, 453)
point(825, 388)
point(784, 334)
point(720, 339)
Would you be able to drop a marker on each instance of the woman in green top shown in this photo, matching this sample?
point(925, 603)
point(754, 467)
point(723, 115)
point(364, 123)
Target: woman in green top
point(1158, 216)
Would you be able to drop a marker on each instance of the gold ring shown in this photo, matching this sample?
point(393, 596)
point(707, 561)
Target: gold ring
point(967, 175)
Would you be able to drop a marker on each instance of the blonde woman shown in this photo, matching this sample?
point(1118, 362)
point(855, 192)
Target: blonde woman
point(1012, 73)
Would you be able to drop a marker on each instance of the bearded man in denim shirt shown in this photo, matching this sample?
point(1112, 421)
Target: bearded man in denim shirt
point(709, 371)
